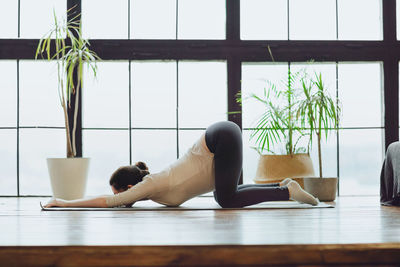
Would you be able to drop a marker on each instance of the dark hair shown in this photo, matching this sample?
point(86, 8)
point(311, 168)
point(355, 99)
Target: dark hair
point(129, 175)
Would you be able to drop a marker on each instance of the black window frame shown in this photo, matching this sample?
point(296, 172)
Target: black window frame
point(234, 51)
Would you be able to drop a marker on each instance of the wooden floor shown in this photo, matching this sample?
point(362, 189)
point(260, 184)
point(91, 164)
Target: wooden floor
point(358, 231)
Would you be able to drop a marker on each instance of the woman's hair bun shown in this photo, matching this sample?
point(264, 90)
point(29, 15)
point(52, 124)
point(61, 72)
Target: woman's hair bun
point(141, 165)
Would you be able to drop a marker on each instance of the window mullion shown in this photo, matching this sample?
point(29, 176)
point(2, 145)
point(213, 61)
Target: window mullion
point(390, 73)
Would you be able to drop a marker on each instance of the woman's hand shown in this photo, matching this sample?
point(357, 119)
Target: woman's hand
point(56, 202)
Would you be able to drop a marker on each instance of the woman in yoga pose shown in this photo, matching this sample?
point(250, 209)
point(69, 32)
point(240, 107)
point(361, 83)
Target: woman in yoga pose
point(213, 163)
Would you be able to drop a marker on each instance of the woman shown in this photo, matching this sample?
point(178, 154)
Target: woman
point(214, 162)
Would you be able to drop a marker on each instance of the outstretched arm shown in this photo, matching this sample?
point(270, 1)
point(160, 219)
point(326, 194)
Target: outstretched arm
point(97, 202)
point(140, 191)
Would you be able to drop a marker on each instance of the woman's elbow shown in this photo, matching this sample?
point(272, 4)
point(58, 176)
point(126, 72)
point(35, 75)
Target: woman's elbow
point(174, 204)
point(102, 202)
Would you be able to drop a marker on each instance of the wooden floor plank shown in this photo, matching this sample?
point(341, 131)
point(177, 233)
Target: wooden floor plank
point(357, 231)
point(360, 254)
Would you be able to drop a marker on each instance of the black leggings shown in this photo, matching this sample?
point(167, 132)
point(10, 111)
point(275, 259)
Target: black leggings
point(224, 139)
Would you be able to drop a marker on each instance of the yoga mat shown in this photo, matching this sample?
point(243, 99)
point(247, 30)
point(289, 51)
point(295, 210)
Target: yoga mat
point(198, 204)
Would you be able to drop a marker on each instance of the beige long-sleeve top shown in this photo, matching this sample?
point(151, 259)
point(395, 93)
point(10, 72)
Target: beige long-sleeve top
point(189, 176)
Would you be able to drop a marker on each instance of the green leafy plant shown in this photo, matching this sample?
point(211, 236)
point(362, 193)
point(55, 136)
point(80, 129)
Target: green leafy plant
point(278, 123)
point(317, 111)
point(64, 44)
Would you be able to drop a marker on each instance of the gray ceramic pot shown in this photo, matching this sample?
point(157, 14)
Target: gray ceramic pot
point(322, 188)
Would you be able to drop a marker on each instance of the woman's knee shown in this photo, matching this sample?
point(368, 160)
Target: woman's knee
point(224, 202)
point(228, 204)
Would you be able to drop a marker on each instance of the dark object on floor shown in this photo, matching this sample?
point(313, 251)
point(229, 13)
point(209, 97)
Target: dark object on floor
point(390, 176)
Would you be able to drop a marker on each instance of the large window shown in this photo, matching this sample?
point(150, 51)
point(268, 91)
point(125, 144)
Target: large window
point(173, 67)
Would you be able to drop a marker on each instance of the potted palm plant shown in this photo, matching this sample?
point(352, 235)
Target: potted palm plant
point(278, 124)
point(319, 113)
point(64, 45)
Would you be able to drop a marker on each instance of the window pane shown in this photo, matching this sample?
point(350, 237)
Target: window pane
point(39, 100)
point(255, 77)
point(9, 19)
point(8, 89)
point(153, 19)
point(8, 159)
point(36, 145)
point(154, 94)
point(263, 19)
point(202, 93)
point(327, 71)
point(106, 97)
point(328, 75)
point(328, 153)
point(360, 89)
point(360, 20)
point(38, 19)
point(187, 138)
point(312, 19)
point(157, 148)
point(103, 20)
point(361, 157)
point(203, 19)
point(107, 151)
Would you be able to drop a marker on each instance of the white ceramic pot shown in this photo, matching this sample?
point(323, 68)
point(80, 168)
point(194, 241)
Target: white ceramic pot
point(68, 177)
point(322, 188)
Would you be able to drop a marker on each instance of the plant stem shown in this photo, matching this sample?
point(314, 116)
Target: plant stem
point(291, 141)
point(70, 153)
point(75, 119)
point(319, 154)
point(290, 112)
point(319, 140)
